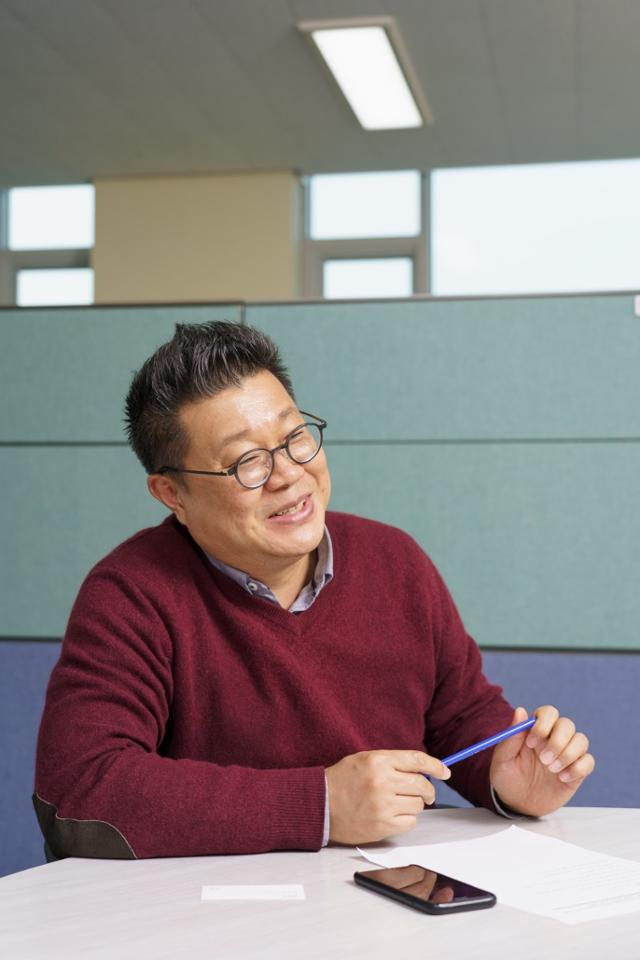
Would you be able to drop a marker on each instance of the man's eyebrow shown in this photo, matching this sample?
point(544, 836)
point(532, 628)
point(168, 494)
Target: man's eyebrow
point(244, 434)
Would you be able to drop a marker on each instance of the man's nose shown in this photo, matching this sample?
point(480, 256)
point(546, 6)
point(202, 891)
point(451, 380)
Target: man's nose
point(285, 470)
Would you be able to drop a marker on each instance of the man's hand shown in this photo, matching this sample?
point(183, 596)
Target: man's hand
point(378, 793)
point(538, 771)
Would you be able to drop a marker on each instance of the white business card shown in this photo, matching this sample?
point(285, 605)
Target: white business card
point(264, 891)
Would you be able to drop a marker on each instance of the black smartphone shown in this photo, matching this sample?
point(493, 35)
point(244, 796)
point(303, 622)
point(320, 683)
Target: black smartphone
point(425, 890)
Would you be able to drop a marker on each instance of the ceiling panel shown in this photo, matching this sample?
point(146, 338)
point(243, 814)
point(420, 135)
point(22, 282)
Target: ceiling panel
point(448, 45)
point(537, 92)
point(106, 87)
point(609, 77)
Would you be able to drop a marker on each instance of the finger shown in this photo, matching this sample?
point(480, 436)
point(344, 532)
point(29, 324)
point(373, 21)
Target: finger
point(576, 748)
point(511, 747)
point(401, 824)
point(545, 718)
point(414, 761)
point(411, 805)
point(413, 785)
point(557, 741)
point(578, 771)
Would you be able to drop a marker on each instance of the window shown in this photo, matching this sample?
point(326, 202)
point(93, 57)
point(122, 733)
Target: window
point(536, 228)
point(51, 218)
point(365, 205)
point(44, 248)
point(36, 288)
point(372, 277)
point(365, 235)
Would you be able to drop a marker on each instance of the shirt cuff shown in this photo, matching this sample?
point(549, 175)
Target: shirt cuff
point(325, 830)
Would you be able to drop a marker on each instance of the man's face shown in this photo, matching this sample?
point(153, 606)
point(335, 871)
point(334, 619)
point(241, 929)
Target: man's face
point(234, 524)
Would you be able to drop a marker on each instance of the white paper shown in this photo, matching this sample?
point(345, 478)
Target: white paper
point(246, 891)
point(531, 872)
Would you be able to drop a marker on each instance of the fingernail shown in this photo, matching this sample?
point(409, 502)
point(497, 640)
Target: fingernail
point(565, 776)
point(555, 766)
point(447, 773)
point(532, 740)
point(546, 757)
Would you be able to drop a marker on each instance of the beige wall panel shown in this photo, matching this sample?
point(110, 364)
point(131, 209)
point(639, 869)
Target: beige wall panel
point(168, 239)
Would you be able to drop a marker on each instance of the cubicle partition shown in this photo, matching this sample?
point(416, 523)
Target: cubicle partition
point(504, 434)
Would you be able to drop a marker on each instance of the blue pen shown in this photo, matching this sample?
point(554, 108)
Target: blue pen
point(489, 742)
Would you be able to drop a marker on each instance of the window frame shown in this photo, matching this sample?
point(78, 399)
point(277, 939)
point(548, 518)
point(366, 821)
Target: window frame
point(316, 252)
point(11, 261)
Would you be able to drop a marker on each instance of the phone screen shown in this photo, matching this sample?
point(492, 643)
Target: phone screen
point(426, 889)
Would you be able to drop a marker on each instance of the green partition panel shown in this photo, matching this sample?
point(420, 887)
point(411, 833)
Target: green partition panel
point(65, 508)
point(516, 531)
point(72, 489)
point(540, 368)
point(502, 433)
point(65, 372)
point(539, 544)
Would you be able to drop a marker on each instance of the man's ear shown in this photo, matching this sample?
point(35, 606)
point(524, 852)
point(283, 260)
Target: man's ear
point(165, 489)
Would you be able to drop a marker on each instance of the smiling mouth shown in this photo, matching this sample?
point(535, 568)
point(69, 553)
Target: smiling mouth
point(296, 508)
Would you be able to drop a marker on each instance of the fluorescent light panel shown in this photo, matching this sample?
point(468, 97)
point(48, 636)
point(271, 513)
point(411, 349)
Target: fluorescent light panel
point(364, 63)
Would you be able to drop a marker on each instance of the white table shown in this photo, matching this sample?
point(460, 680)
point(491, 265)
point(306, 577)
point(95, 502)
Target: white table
point(151, 909)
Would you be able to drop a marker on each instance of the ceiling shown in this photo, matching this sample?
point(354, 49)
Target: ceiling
point(96, 88)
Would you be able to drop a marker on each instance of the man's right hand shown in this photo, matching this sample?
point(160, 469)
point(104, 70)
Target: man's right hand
point(378, 793)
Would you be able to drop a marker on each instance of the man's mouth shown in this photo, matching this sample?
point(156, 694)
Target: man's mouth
point(295, 508)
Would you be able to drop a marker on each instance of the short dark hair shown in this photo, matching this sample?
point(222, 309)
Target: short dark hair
point(199, 361)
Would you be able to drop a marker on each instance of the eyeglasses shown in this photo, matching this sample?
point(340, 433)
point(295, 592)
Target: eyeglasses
point(254, 467)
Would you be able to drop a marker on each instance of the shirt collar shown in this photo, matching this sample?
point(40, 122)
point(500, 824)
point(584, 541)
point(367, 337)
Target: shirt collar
point(322, 575)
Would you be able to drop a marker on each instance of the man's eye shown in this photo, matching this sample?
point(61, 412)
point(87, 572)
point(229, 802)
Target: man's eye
point(251, 458)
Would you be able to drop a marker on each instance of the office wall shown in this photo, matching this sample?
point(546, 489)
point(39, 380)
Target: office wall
point(197, 238)
point(503, 433)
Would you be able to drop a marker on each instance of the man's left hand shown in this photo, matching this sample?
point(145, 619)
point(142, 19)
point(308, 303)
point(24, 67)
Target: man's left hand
point(538, 771)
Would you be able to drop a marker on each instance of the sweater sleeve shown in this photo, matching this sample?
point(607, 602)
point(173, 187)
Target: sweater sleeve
point(465, 708)
point(103, 789)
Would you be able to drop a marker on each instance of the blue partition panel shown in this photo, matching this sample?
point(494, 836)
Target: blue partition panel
point(24, 673)
point(597, 690)
point(599, 693)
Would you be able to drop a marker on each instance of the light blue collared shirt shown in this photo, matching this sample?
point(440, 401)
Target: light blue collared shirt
point(322, 575)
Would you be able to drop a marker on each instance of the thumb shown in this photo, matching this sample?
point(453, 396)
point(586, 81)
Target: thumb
point(510, 748)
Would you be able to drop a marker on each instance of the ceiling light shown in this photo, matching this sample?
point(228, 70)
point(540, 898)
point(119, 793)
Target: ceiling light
point(370, 64)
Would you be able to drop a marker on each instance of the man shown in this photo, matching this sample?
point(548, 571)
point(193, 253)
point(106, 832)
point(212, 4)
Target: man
point(255, 674)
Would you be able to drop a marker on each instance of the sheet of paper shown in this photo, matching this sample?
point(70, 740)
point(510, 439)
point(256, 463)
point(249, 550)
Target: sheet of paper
point(261, 891)
point(531, 872)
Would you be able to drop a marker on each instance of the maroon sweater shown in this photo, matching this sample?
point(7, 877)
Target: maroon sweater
point(186, 717)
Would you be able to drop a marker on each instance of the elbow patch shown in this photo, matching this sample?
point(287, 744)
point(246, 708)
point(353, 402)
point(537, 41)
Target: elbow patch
point(67, 837)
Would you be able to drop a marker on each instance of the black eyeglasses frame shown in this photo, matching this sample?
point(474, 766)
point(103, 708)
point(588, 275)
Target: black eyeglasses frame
point(232, 471)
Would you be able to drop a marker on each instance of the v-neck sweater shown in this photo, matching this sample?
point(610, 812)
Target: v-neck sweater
point(192, 718)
